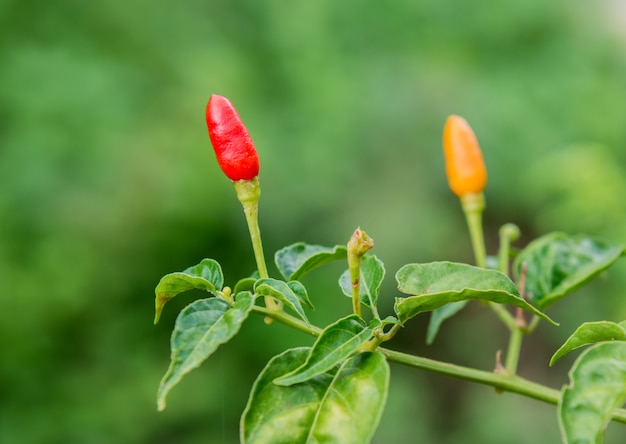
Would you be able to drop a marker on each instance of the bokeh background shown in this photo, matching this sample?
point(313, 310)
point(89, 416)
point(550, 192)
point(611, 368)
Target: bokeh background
point(108, 182)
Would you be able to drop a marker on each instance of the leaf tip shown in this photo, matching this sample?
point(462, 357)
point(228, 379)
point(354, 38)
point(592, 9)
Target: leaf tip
point(553, 322)
point(159, 303)
point(555, 357)
point(544, 316)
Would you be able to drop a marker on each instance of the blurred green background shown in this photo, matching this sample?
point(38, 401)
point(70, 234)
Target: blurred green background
point(108, 182)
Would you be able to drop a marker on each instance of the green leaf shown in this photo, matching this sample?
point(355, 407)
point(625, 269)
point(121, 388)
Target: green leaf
point(372, 275)
point(390, 320)
point(557, 264)
point(439, 283)
point(439, 315)
point(245, 284)
point(336, 343)
point(590, 333)
point(300, 291)
point(284, 292)
point(597, 387)
point(298, 259)
point(207, 276)
point(341, 406)
point(200, 329)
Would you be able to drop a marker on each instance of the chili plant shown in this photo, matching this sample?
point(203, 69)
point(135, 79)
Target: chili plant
point(335, 389)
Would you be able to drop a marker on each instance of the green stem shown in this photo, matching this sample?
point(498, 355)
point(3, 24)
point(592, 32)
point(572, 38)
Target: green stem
point(501, 381)
point(473, 206)
point(356, 293)
point(251, 211)
point(513, 351)
point(380, 337)
point(248, 193)
point(509, 233)
point(534, 322)
point(391, 333)
point(288, 320)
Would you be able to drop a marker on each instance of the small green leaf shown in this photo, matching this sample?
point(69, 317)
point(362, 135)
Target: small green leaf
point(597, 387)
point(336, 343)
point(245, 284)
point(300, 291)
point(200, 329)
point(390, 320)
point(557, 264)
point(207, 276)
point(439, 315)
point(439, 283)
point(590, 333)
point(284, 292)
point(372, 275)
point(298, 259)
point(341, 406)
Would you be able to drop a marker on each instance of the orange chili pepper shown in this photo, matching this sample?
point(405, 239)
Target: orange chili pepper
point(465, 167)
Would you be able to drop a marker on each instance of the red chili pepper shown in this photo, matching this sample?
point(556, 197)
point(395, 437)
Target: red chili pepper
point(465, 167)
point(231, 141)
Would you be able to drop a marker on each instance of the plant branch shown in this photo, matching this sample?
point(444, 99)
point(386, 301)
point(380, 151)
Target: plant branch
point(513, 351)
point(517, 333)
point(288, 320)
point(508, 233)
point(502, 381)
